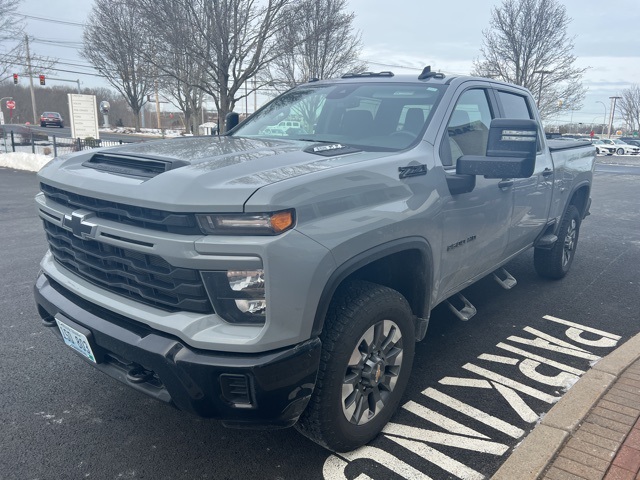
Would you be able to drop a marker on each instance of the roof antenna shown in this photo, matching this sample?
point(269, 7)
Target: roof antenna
point(427, 73)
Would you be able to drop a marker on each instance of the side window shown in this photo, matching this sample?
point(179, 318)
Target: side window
point(468, 128)
point(514, 106)
point(517, 106)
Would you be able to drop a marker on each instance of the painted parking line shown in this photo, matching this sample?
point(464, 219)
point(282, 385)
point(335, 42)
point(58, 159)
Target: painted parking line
point(542, 358)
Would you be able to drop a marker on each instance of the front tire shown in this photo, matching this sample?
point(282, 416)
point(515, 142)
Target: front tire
point(620, 151)
point(555, 263)
point(368, 344)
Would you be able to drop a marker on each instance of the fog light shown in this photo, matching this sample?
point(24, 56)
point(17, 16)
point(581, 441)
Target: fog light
point(252, 306)
point(238, 296)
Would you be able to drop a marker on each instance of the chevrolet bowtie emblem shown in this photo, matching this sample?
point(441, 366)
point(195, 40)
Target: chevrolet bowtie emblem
point(78, 225)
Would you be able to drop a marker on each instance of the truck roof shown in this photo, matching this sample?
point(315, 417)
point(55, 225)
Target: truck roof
point(427, 75)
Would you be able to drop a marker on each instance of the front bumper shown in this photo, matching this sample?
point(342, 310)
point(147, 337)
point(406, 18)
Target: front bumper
point(265, 390)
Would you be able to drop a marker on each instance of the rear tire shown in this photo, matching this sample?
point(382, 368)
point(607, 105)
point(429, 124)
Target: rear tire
point(555, 263)
point(620, 151)
point(368, 344)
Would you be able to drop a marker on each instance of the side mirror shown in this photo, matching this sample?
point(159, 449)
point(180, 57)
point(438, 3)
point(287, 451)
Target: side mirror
point(511, 151)
point(231, 121)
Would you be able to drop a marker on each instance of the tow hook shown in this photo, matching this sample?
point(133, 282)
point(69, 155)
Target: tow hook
point(138, 374)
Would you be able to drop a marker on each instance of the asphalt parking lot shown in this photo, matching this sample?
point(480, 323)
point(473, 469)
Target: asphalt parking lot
point(477, 387)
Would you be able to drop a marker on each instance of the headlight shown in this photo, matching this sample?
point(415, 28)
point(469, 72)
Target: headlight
point(238, 296)
point(246, 223)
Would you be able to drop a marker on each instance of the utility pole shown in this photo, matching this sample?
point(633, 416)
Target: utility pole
point(157, 105)
point(604, 122)
point(33, 97)
point(613, 113)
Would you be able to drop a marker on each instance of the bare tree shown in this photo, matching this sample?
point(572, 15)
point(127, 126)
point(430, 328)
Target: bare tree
point(178, 73)
point(232, 40)
point(114, 43)
point(185, 97)
point(316, 41)
point(629, 106)
point(10, 36)
point(527, 44)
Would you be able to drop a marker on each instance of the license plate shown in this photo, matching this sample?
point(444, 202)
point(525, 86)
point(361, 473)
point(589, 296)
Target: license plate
point(76, 340)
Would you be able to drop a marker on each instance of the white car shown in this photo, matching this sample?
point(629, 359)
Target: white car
point(621, 147)
point(603, 148)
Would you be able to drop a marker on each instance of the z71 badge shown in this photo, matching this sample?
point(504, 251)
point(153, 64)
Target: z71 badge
point(412, 171)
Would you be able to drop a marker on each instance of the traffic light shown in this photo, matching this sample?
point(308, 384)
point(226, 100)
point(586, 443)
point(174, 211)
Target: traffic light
point(15, 78)
point(41, 79)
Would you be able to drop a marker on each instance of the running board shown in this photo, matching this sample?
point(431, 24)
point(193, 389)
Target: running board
point(464, 313)
point(507, 282)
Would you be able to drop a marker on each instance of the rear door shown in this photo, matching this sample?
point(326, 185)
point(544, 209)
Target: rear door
point(532, 196)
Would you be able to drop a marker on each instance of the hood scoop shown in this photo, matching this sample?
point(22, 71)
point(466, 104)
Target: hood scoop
point(132, 166)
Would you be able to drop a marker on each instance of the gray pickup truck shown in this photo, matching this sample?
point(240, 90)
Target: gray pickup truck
point(272, 279)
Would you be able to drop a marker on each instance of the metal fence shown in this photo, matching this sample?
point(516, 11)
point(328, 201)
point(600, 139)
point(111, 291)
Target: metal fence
point(66, 145)
point(27, 140)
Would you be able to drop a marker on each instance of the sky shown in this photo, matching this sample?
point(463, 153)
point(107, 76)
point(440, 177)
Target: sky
point(406, 35)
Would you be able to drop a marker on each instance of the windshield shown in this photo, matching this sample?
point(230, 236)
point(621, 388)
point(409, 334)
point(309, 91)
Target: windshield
point(370, 116)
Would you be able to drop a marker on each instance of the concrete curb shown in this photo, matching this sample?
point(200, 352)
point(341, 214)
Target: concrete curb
point(537, 451)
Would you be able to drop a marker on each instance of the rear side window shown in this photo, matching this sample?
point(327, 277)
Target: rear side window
point(514, 106)
point(517, 106)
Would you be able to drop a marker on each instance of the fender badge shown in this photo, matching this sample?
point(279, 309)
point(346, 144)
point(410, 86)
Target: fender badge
point(412, 171)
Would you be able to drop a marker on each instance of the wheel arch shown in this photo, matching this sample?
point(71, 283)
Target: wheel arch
point(580, 198)
point(404, 265)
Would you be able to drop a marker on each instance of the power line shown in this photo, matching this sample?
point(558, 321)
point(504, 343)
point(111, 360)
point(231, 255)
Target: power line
point(17, 59)
point(393, 66)
point(67, 71)
point(51, 20)
point(58, 43)
point(55, 40)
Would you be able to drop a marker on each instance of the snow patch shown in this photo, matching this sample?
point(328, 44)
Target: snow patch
point(24, 161)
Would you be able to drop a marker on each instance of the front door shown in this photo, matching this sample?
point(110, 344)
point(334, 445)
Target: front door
point(475, 225)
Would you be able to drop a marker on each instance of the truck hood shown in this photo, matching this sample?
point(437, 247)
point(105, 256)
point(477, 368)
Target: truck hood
point(213, 174)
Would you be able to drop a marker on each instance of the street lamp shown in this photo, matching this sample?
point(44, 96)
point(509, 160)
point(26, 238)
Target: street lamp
point(542, 74)
point(605, 116)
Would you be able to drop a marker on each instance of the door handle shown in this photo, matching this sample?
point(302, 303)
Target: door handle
point(506, 183)
point(547, 172)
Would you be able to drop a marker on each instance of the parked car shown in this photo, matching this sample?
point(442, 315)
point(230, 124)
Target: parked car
point(603, 148)
point(51, 118)
point(621, 147)
point(268, 281)
point(631, 140)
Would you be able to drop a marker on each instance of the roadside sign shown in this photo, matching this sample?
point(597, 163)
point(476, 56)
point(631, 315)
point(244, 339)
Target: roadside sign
point(83, 115)
point(11, 104)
